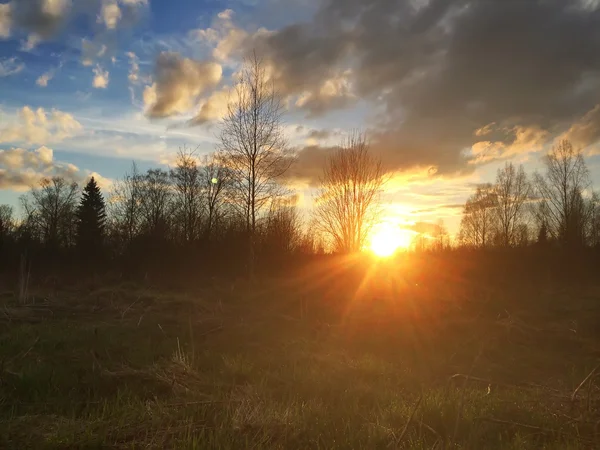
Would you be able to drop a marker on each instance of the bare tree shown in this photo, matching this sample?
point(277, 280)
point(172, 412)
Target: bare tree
point(253, 144)
point(562, 206)
point(282, 230)
point(188, 199)
point(347, 201)
point(50, 209)
point(156, 203)
point(125, 204)
point(478, 224)
point(440, 236)
point(214, 179)
point(7, 223)
point(512, 191)
point(594, 225)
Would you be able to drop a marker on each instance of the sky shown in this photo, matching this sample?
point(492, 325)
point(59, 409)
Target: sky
point(447, 91)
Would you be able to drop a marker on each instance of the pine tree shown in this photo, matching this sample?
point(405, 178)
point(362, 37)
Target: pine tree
point(91, 220)
point(543, 235)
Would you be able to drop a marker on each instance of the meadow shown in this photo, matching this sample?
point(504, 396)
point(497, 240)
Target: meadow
point(336, 354)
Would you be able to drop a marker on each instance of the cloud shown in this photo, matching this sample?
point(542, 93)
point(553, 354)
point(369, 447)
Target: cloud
point(179, 83)
point(40, 127)
point(585, 131)
point(309, 163)
point(31, 42)
point(5, 20)
point(21, 169)
point(110, 14)
point(213, 108)
point(91, 50)
point(43, 79)
point(523, 140)
point(322, 134)
point(134, 76)
point(114, 12)
point(226, 38)
point(10, 66)
point(439, 70)
point(101, 78)
point(43, 18)
point(333, 93)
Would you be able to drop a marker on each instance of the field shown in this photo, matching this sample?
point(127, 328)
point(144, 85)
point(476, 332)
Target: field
point(341, 355)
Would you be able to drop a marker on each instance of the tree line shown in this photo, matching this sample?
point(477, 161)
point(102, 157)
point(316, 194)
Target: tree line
point(555, 207)
point(230, 212)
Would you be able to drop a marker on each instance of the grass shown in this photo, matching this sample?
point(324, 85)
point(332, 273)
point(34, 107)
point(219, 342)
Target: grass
point(324, 359)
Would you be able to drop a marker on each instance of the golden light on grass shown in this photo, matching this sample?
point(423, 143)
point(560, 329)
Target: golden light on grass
point(387, 239)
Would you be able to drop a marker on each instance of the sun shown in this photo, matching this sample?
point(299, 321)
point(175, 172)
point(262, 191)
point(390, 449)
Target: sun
point(386, 239)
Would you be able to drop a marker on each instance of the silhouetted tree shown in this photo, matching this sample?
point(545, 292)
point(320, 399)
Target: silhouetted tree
point(253, 145)
point(156, 195)
point(7, 229)
point(562, 205)
point(188, 199)
point(6, 221)
point(125, 206)
point(594, 225)
point(50, 211)
point(440, 236)
point(215, 178)
point(542, 238)
point(478, 225)
point(91, 220)
point(281, 233)
point(347, 204)
point(512, 191)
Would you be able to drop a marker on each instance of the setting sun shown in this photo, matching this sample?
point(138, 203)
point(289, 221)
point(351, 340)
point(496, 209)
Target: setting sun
point(387, 239)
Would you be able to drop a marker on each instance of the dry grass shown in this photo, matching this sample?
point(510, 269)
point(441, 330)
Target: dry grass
point(326, 359)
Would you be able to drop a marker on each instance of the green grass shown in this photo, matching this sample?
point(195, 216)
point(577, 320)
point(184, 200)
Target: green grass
point(290, 364)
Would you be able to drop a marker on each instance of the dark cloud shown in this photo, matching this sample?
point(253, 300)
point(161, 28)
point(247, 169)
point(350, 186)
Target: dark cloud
point(323, 134)
point(444, 69)
point(309, 163)
point(42, 17)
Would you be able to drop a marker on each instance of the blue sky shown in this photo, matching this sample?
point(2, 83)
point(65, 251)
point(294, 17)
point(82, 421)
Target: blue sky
point(89, 80)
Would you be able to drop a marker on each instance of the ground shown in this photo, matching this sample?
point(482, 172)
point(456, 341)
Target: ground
point(330, 357)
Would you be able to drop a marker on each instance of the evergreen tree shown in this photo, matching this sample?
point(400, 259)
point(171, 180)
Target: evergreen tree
point(91, 219)
point(543, 235)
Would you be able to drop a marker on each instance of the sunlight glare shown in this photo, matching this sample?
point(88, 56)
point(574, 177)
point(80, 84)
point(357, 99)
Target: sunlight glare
point(387, 239)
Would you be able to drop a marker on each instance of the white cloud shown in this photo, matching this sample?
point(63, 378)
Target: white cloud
point(101, 78)
point(110, 14)
point(43, 79)
point(134, 72)
point(10, 66)
point(213, 108)
point(21, 169)
point(225, 38)
point(40, 127)
point(32, 41)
